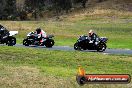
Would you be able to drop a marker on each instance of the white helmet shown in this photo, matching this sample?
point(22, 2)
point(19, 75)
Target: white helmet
point(90, 32)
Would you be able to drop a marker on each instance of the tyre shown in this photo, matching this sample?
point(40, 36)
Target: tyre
point(101, 47)
point(76, 46)
point(49, 43)
point(25, 42)
point(11, 41)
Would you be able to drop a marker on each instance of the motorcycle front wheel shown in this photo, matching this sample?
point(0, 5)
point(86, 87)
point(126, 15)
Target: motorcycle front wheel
point(76, 46)
point(11, 41)
point(25, 42)
point(49, 43)
point(101, 47)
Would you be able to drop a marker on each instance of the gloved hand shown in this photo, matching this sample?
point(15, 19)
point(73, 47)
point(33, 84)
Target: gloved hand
point(90, 41)
point(39, 35)
point(5, 37)
point(96, 43)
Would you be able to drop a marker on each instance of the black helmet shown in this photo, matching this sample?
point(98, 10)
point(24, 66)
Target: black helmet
point(38, 30)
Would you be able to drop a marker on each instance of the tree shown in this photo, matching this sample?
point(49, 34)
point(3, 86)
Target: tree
point(8, 9)
point(2, 7)
point(81, 1)
point(100, 0)
point(11, 9)
point(34, 6)
point(62, 5)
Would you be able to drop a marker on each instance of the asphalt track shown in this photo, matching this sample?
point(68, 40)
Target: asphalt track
point(67, 48)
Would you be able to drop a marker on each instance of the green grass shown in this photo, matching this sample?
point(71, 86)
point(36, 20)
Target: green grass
point(44, 68)
point(66, 32)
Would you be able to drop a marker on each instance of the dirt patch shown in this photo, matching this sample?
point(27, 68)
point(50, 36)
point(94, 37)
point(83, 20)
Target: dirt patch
point(27, 77)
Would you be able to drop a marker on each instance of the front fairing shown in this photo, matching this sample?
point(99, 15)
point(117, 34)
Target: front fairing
point(82, 38)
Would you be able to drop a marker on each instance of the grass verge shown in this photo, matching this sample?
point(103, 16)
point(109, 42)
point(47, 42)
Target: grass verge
point(27, 67)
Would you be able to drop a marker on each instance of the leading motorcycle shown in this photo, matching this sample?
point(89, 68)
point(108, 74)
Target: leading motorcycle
point(83, 43)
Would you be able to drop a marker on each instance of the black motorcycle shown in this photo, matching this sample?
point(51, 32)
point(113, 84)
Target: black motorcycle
point(6, 37)
point(32, 39)
point(83, 43)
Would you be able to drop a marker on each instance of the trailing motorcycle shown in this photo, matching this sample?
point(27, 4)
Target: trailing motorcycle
point(32, 39)
point(7, 37)
point(83, 43)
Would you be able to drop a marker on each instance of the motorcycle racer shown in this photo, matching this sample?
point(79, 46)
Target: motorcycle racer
point(3, 32)
point(41, 34)
point(94, 37)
